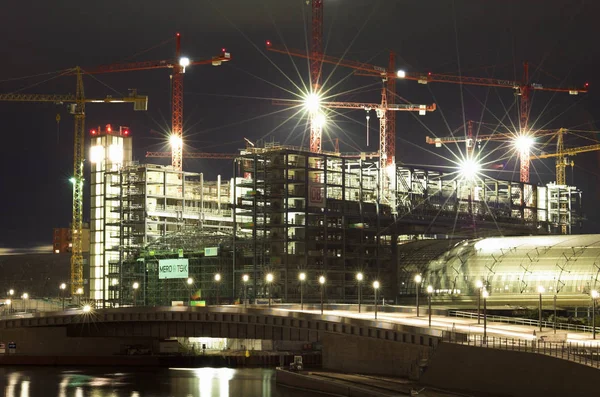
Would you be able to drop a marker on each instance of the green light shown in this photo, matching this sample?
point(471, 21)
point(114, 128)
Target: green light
point(72, 180)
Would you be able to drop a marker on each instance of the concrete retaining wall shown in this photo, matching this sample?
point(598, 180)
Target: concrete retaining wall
point(349, 353)
point(507, 373)
point(53, 341)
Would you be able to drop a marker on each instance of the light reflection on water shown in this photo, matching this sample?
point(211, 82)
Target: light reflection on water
point(141, 382)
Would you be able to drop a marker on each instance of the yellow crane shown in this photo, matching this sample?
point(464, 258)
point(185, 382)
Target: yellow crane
point(562, 155)
point(77, 109)
point(562, 160)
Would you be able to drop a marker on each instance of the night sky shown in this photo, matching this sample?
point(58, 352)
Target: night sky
point(225, 104)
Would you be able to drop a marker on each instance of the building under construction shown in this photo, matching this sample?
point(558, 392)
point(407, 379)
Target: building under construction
point(326, 214)
point(287, 211)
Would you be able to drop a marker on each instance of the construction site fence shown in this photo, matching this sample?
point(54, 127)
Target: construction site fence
point(524, 321)
point(579, 352)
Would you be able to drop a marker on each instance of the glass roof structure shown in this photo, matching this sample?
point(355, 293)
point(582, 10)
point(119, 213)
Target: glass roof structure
point(568, 264)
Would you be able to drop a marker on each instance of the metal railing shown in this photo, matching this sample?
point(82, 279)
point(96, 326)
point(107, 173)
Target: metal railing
point(579, 352)
point(523, 321)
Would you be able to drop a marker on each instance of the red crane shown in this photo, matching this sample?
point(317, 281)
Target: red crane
point(316, 127)
point(523, 88)
point(178, 65)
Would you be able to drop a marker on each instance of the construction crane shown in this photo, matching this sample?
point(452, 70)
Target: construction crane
point(77, 109)
point(178, 66)
point(387, 158)
point(522, 88)
point(316, 127)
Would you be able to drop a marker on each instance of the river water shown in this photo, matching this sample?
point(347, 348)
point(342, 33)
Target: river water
point(129, 382)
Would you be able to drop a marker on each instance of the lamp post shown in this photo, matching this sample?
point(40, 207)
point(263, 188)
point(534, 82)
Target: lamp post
point(190, 282)
point(418, 280)
point(25, 296)
point(554, 325)
point(429, 292)
point(245, 279)
point(8, 303)
point(375, 288)
point(63, 286)
point(541, 290)
point(218, 282)
point(479, 286)
point(135, 286)
point(11, 292)
point(79, 292)
point(302, 277)
point(594, 297)
point(359, 279)
point(485, 296)
point(269, 279)
point(322, 282)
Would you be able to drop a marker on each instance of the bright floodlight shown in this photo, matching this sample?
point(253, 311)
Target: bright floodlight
point(175, 140)
point(87, 308)
point(63, 286)
point(11, 292)
point(8, 302)
point(245, 278)
point(359, 276)
point(541, 289)
point(401, 74)
point(312, 102)
point(376, 284)
point(136, 285)
point(469, 169)
point(25, 295)
point(523, 143)
point(190, 281)
point(429, 289)
point(79, 291)
point(321, 120)
point(418, 279)
point(478, 284)
point(302, 276)
point(485, 294)
point(269, 278)
point(218, 277)
point(322, 280)
point(184, 61)
point(595, 294)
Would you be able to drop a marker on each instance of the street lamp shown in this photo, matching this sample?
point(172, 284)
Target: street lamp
point(594, 297)
point(63, 286)
point(245, 279)
point(359, 279)
point(322, 282)
point(25, 296)
point(302, 277)
point(418, 280)
point(79, 292)
point(190, 282)
point(218, 281)
point(375, 288)
point(485, 296)
point(429, 292)
point(541, 290)
point(135, 286)
point(11, 292)
point(269, 279)
point(479, 286)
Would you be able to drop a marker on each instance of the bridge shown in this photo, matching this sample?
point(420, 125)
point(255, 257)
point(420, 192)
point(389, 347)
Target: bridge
point(397, 343)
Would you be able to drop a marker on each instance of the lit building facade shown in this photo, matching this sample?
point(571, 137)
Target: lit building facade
point(110, 149)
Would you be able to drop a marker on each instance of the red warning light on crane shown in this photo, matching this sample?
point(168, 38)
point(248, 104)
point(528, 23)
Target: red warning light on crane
point(108, 129)
point(268, 43)
point(223, 49)
point(93, 132)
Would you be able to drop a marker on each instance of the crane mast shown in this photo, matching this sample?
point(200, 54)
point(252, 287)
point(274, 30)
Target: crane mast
point(177, 109)
point(316, 127)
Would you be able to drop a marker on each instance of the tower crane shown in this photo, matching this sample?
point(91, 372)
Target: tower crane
point(522, 88)
point(178, 66)
point(77, 109)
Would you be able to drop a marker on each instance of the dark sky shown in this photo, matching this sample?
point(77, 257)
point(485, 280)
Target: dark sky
point(225, 104)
